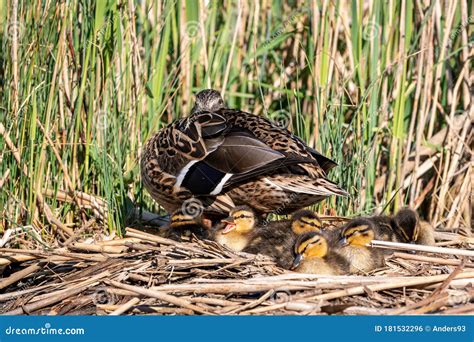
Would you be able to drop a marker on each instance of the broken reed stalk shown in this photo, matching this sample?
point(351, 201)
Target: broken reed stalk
point(421, 248)
point(99, 248)
point(434, 295)
point(125, 307)
point(381, 287)
point(434, 260)
point(205, 278)
point(159, 295)
point(17, 276)
point(57, 296)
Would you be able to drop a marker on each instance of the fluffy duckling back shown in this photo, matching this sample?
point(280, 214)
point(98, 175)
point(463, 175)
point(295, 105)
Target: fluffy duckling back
point(277, 240)
point(313, 255)
point(425, 234)
point(403, 227)
point(353, 242)
point(183, 225)
point(239, 229)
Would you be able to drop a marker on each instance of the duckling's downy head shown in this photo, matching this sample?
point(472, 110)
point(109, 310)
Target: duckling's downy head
point(310, 245)
point(241, 219)
point(407, 223)
point(358, 232)
point(304, 221)
point(208, 100)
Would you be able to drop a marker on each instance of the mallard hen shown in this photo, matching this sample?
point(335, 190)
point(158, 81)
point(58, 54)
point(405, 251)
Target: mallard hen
point(225, 157)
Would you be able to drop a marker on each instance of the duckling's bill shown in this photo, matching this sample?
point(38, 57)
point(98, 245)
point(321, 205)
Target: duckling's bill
point(343, 242)
point(230, 225)
point(297, 261)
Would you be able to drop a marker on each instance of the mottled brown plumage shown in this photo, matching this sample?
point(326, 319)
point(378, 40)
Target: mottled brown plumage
point(226, 157)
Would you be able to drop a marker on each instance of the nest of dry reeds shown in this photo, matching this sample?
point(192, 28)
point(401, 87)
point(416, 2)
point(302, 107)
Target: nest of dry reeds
point(142, 273)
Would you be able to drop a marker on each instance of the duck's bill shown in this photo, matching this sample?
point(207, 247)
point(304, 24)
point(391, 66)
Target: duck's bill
point(229, 220)
point(296, 262)
point(228, 228)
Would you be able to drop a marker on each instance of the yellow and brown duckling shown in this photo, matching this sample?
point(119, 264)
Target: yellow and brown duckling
point(236, 231)
point(226, 157)
point(413, 229)
point(313, 254)
point(183, 226)
point(303, 221)
point(354, 245)
point(385, 228)
point(277, 238)
point(404, 226)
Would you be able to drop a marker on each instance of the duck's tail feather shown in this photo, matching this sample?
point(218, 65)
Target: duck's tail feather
point(318, 187)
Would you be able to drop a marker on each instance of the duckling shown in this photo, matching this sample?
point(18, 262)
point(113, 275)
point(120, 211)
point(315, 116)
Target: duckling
point(183, 225)
point(313, 255)
point(226, 157)
point(303, 221)
point(276, 239)
point(385, 228)
point(239, 228)
point(412, 229)
point(425, 234)
point(353, 242)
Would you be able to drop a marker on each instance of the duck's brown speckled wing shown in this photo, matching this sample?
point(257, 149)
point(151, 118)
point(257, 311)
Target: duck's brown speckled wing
point(279, 139)
point(220, 156)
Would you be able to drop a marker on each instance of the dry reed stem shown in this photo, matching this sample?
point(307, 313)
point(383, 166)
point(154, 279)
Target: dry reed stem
point(125, 307)
point(159, 295)
point(57, 297)
point(149, 273)
point(381, 287)
point(421, 248)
